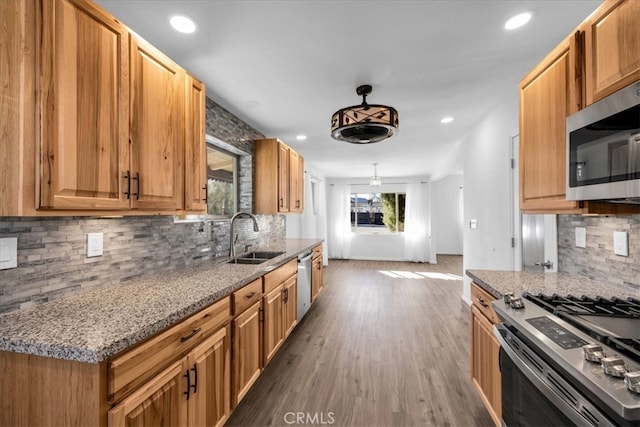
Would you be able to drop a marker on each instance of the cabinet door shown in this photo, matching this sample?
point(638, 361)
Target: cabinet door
point(160, 402)
point(295, 184)
point(209, 405)
point(485, 369)
point(290, 310)
point(195, 185)
point(273, 328)
point(316, 277)
point(247, 361)
point(283, 178)
point(157, 129)
point(545, 102)
point(84, 107)
point(612, 48)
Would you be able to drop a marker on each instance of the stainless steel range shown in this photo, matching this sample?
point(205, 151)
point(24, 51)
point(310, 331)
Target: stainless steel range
point(569, 361)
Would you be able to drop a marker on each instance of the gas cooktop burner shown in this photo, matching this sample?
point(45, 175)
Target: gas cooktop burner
point(614, 322)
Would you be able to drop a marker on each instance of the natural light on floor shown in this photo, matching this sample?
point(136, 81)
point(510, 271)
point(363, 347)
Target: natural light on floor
point(419, 275)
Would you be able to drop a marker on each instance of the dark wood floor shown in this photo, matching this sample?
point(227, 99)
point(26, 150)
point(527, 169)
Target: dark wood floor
point(375, 349)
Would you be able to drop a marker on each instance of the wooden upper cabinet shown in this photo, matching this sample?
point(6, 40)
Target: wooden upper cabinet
point(277, 185)
point(84, 96)
point(296, 182)
point(547, 97)
point(612, 48)
point(195, 184)
point(157, 129)
point(283, 178)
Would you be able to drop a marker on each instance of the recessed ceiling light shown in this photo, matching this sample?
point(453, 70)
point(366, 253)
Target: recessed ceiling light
point(183, 24)
point(447, 119)
point(517, 21)
point(301, 137)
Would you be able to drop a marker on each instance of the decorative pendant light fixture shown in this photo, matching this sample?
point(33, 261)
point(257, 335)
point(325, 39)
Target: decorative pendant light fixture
point(364, 123)
point(375, 180)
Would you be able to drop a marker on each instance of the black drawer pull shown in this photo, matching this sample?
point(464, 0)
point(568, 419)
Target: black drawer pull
point(191, 335)
point(482, 303)
point(251, 295)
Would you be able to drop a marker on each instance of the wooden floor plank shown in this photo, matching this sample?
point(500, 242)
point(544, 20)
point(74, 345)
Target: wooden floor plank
point(376, 349)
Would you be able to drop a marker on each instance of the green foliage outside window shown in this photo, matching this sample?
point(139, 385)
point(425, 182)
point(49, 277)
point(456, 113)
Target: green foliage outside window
point(389, 210)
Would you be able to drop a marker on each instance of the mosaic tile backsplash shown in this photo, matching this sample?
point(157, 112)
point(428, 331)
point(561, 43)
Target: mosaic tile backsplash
point(597, 261)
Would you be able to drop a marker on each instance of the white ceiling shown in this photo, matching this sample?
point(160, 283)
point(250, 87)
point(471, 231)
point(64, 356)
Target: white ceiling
point(286, 66)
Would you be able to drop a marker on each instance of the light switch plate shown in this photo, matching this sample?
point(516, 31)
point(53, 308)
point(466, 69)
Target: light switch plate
point(581, 237)
point(473, 224)
point(621, 243)
point(94, 244)
point(8, 252)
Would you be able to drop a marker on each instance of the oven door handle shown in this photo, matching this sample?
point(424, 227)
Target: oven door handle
point(583, 413)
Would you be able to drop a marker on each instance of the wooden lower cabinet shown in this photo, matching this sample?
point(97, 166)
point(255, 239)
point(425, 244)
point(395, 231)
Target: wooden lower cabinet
point(485, 369)
point(192, 391)
point(160, 402)
point(316, 273)
point(247, 360)
point(290, 305)
point(272, 327)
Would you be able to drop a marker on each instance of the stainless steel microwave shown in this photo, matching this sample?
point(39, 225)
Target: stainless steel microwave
point(603, 149)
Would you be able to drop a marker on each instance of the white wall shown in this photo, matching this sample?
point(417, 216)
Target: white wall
point(447, 215)
point(487, 192)
point(310, 224)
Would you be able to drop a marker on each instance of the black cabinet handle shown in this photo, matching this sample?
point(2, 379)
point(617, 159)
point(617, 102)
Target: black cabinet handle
point(281, 202)
point(482, 303)
point(191, 335)
point(194, 386)
point(188, 377)
point(137, 179)
point(206, 195)
point(251, 295)
point(127, 176)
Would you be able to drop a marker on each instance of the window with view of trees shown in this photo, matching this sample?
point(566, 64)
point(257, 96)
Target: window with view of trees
point(377, 212)
point(221, 182)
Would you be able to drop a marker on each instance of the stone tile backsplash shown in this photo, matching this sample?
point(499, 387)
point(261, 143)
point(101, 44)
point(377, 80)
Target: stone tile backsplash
point(52, 260)
point(597, 261)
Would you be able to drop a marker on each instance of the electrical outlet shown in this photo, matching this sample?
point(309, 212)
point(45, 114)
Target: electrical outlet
point(581, 237)
point(621, 243)
point(94, 244)
point(8, 252)
point(473, 224)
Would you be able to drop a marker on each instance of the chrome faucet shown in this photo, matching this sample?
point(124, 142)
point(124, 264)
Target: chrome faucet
point(232, 248)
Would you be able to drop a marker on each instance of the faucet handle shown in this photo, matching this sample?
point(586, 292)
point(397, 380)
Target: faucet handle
point(246, 248)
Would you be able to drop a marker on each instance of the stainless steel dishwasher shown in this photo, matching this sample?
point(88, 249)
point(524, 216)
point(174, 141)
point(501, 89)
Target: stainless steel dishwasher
point(304, 283)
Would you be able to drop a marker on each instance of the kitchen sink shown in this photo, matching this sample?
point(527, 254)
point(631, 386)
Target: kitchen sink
point(247, 261)
point(262, 254)
point(257, 257)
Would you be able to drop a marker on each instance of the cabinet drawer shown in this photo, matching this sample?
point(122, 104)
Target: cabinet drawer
point(279, 275)
point(130, 370)
point(482, 299)
point(317, 251)
point(246, 296)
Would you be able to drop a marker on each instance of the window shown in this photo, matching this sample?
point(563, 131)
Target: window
point(222, 169)
point(225, 164)
point(377, 212)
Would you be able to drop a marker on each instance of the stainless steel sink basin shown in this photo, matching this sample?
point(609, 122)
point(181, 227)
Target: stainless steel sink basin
point(257, 257)
point(262, 254)
point(247, 261)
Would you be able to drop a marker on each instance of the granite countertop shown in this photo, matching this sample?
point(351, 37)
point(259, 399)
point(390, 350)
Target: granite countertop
point(498, 283)
point(95, 325)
